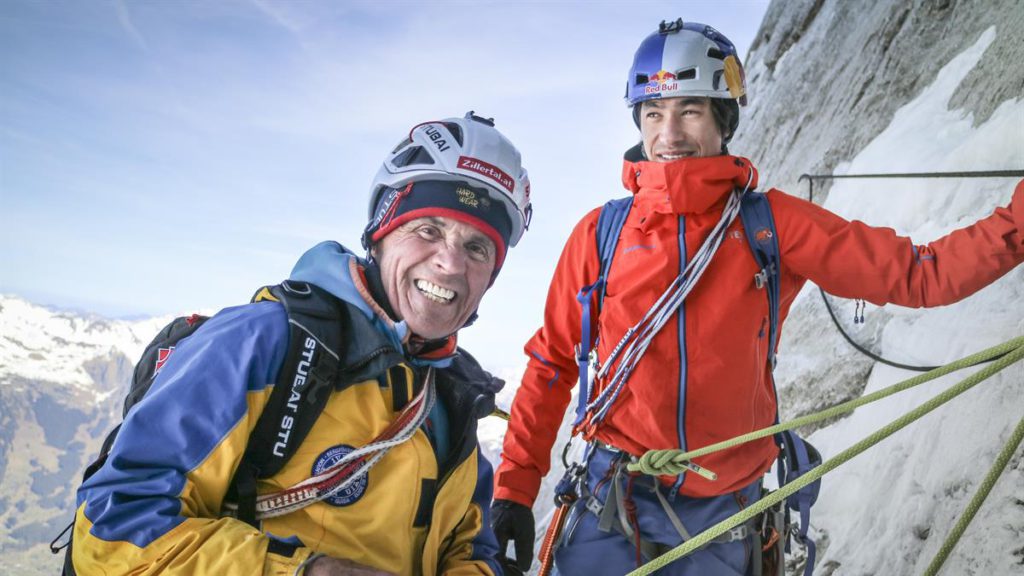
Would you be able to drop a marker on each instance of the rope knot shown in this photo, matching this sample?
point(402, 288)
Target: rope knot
point(662, 463)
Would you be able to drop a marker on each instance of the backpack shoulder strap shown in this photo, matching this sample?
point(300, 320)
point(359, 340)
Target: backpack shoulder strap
point(609, 227)
point(796, 455)
point(310, 369)
point(759, 226)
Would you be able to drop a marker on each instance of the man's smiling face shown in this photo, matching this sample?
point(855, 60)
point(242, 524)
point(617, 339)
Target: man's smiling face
point(675, 128)
point(435, 270)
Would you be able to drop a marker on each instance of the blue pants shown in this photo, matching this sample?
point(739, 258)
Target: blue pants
point(586, 550)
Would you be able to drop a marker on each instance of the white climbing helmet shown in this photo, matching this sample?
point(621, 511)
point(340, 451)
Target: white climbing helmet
point(468, 149)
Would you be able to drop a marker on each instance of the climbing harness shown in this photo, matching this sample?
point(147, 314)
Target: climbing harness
point(618, 505)
point(614, 497)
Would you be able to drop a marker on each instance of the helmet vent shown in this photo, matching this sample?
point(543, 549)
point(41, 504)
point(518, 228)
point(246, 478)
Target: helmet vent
point(642, 79)
point(716, 54)
point(401, 145)
point(687, 74)
point(412, 156)
point(716, 80)
point(456, 131)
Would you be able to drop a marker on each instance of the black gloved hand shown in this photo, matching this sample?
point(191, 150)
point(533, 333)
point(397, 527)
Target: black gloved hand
point(513, 521)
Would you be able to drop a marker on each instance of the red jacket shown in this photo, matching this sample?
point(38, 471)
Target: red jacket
point(704, 377)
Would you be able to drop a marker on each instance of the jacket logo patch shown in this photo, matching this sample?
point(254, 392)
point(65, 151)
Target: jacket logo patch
point(161, 358)
point(763, 235)
point(355, 490)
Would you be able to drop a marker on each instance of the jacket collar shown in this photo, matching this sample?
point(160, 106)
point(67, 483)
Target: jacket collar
point(687, 186)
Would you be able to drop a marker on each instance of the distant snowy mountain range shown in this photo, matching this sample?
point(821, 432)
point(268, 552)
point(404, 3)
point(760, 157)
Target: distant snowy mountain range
point(59, 347)
point(62, 379)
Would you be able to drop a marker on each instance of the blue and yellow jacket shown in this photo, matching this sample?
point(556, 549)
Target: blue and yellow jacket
point(156, 504)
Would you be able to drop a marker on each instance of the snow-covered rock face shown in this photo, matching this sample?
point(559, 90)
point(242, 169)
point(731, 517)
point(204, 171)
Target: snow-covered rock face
point(59, 347)
point(889, 510)
point(853, 88)
point(825, 78)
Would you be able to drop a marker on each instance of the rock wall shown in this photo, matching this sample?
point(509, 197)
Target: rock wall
point(825, 77)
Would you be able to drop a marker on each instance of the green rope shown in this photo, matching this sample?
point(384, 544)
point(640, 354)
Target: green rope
point(814, 474)
point(979, 497)
point(673, 461)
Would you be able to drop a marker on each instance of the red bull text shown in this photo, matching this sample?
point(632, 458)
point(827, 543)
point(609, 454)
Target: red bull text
point(663, 81)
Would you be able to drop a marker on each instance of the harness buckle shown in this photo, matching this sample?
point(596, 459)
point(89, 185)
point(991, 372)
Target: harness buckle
point(738, 533)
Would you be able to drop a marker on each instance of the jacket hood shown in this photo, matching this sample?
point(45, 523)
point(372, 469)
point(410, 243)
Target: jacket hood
point(338, 270)
point(690, 185)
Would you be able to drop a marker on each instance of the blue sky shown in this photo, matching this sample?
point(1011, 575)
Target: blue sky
point(162, 157)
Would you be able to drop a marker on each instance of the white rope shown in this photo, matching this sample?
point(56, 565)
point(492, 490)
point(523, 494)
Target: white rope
point(308, 491)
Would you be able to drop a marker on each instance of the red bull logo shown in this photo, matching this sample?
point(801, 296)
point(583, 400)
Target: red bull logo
point(663, 77)
point(662, 81)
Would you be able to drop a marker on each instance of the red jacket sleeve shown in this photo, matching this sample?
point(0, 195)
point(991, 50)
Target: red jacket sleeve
point(854, 260)
point(540, 403)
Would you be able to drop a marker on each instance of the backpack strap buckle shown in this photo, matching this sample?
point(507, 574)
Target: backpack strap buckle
point(736, 533)
point(761, 279)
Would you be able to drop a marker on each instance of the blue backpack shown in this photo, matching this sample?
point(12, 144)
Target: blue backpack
point(796, 456)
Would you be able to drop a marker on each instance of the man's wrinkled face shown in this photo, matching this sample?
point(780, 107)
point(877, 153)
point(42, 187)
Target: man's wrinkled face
point(674, 128)
point(435, 270)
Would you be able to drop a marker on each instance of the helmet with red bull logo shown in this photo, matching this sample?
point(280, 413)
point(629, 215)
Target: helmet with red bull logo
point(687, 59)
point(466, 150)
